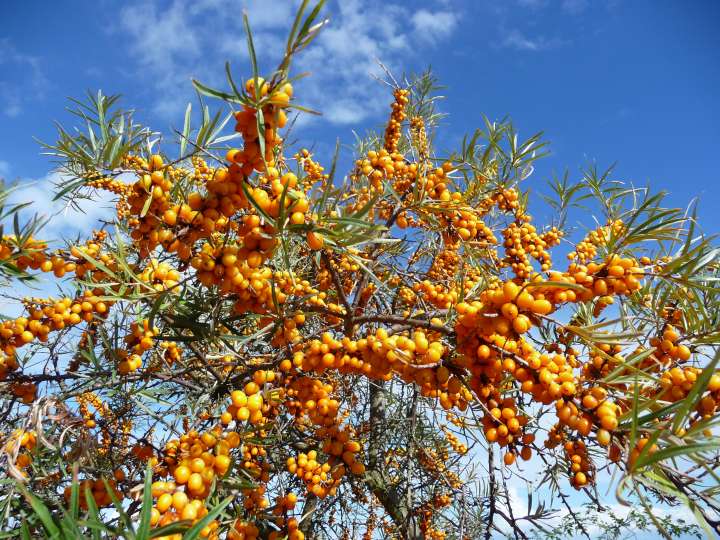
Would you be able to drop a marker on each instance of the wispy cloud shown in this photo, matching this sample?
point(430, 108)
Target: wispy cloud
point(434, 25)
point(4, 169)
point(516, 39)
point(162, 43)
point(192, 39)
point(345, 60)
point(28, 81)
point(575, 7)
point(64, 220)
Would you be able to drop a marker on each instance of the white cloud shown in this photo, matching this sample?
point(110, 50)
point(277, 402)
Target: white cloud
point(515, 39)
point(574, 7)
point(165, 36)
point(28, 81)
point(65, 222)
point(344, 112)
point(161, 43)
point(344, 61)
point(13, 110)
point(433, 25)
point(191, 39)
point(194, 38)
point(64, 219)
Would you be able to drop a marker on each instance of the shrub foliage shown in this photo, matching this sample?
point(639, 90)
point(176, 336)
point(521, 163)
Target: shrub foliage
point(258, 346)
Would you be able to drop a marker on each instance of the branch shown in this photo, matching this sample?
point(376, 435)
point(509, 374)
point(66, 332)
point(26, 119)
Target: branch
point(336, 280)
point(396, 319)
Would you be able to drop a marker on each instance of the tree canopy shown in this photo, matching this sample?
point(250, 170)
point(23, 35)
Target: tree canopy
point(258, 345)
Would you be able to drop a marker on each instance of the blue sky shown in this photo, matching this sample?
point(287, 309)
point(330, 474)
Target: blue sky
point(632, 82)
point(610, 81)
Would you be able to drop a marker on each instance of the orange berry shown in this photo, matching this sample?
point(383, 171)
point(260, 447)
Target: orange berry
point(181, 474)
point(164, 502)
point(315, 240)
point(255, 402)
point(603, 437)
point(170, 217)
point(189, 512)
point(179, 500)
point(197, 465)
point(238, 397)
point(195, 483)
point(222, 464)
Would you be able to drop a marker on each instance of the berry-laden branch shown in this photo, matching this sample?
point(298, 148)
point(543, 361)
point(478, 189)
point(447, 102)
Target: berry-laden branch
point(265, 350)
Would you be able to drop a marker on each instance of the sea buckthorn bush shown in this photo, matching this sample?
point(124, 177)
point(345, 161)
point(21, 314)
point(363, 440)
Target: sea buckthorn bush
point(257, 345)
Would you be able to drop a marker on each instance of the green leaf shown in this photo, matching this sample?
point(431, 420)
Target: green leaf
point(253, 202)
point(147, 204)
point(157, 305)
point(260, 122)
point(366, 209)
point(69, 526)
point(230, 79)
point(95, 523)
point(194, 532)
point(253, 60)
point(295, 26)
point(186, 130)
point(675, 450)
point(97, 264)
point(206, 90)
point(306, 28)
point(635, 412)
point(303, 109)
point(42, 513)
point(74, 494)
point(146, 512)
point(320, 206)
point(129, 531)
point(25, 531)
point(173, 528)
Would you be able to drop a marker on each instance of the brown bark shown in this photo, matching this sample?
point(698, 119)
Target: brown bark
point(394, 502)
